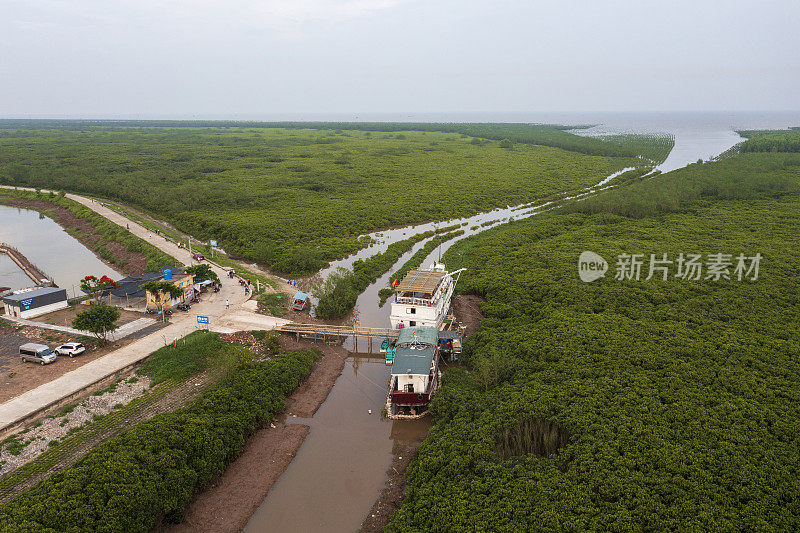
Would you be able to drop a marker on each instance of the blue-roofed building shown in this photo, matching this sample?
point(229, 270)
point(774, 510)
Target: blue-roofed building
point(29, 303)
point(299, 301)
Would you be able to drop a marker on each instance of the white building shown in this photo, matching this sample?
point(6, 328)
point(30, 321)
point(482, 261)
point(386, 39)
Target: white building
point(35, 301)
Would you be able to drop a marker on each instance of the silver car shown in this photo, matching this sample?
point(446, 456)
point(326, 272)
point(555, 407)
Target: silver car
point(36, 353)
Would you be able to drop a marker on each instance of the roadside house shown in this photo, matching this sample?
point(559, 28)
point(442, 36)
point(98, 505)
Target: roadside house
point(180, 279)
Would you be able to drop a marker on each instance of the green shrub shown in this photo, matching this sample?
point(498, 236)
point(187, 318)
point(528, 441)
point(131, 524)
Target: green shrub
point(151, 472)
point(192, 354)
point(273, 302)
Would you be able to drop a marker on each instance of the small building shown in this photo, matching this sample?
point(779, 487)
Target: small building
point(35, 301)
point(180, 279)
point(299, 301)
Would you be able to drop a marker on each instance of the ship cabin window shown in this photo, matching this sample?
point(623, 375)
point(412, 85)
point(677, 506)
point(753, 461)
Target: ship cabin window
point(411, 310)
point(409, 387)
point(412, 323)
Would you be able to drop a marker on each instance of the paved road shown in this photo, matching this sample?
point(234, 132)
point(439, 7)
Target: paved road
point(211, 305)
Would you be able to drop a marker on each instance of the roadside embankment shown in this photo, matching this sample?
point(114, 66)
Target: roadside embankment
point(151, 472)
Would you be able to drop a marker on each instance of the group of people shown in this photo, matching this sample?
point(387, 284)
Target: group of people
point(243, 282)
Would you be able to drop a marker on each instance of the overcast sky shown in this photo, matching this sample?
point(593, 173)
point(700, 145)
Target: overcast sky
point(261, 57)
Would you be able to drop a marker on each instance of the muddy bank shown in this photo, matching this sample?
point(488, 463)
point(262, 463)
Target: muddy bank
point(312, 392)
point(227, 505)
point(467, 309)
point(232, 499)
point(130, 263)
point(392, 494)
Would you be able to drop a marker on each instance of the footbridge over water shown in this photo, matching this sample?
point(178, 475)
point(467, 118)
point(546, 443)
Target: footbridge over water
point(325, 332)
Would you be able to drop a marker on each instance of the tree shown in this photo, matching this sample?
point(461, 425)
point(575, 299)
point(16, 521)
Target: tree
point(97, 319)
point(203, 272)
point(160, 288)
point(95, 287)
point(336, 296)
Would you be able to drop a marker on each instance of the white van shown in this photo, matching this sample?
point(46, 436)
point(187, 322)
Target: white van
point(36, 353)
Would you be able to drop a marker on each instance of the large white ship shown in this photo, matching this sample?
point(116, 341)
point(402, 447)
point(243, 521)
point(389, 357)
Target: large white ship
point(422, 298)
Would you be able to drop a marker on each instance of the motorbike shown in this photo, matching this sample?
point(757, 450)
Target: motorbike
point(183, 306)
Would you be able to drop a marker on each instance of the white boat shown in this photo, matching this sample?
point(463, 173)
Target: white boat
point(415, 373)
point(422, 298)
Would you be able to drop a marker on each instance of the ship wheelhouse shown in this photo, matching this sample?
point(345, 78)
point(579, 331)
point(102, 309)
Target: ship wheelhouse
point(422, 298)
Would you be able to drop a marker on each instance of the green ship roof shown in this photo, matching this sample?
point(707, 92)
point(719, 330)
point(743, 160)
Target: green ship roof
point(418, 335)
point(413, 360)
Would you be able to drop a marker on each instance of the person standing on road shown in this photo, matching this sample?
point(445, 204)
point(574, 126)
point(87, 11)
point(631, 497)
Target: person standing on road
point(226, 304)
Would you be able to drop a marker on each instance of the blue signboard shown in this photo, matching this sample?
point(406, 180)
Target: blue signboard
point(202, 319)
point(212, 243)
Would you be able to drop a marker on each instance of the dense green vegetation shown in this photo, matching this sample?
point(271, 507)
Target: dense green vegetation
point(626, 405)
point(151, 472)
point(771, 141)
point(337, 295)
point(654, 147)
point(109, 232)
point(294, 198)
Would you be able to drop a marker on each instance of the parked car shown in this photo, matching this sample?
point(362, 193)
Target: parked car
point(70, 348)
point(36, 353)
point(197, 256)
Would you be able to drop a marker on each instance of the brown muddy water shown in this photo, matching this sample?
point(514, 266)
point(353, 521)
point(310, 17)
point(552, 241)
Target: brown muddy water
point(341, 467)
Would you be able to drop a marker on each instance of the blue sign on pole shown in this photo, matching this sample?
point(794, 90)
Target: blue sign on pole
point(212, 243)
point(202, 319)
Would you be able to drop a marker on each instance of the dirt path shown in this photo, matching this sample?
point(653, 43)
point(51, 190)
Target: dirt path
point(228, 504)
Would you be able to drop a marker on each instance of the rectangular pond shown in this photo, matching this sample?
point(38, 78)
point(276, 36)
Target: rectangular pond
point(49, 247)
